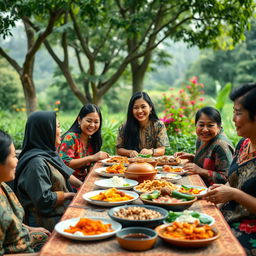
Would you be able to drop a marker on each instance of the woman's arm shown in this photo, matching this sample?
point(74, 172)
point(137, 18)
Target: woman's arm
point(153, 151)
point(222, 193)
point(126, 152)
point(75, 182)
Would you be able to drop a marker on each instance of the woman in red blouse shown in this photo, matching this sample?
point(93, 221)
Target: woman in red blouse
point(82, 142)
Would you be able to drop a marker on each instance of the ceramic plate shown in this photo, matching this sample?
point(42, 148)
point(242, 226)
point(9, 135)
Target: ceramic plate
point(102, 172)
point(202, 215)
point(87, 196)
point(201, 193)
point(186, 243)
point(180, 172)
point(61, 226)
point(168, 176)
point(106, 161)
point(108, 183)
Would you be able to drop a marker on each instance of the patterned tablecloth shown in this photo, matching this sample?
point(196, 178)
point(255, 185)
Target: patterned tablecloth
point(57, 245)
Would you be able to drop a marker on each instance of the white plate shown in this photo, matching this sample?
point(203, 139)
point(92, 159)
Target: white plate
point(182, 172)
point(61, 226)
point(198, 187)
point(202, 215)
point(168, 176)
point(108, 183)
point(102, 172)
point(87, 196)
point(105, 162)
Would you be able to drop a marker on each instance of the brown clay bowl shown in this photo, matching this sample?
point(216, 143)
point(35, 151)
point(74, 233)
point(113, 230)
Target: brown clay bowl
point(151, 161)
point(136, 243)
point(186, 243)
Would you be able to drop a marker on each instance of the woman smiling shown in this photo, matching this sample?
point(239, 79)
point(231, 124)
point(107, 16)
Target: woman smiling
point(213, 149)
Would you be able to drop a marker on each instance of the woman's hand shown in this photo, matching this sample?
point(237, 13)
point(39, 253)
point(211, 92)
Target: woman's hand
point(193, 168)
point(38, 229)
point(219, 193)
point(146, 151)
point(184, 155)
point(133, 153)
point(100, 156)
point(68, 195)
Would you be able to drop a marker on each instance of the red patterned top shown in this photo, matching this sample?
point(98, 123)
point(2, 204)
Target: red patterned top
point(73, 148)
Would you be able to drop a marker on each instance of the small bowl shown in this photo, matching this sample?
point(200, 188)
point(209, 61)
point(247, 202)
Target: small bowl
point(136, 243)
point(181, 206)
point(144, 223)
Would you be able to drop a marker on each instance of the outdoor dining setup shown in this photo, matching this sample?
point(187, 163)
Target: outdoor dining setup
point(143, 205)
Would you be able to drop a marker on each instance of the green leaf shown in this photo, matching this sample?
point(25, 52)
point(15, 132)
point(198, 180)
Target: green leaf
point(223, 96)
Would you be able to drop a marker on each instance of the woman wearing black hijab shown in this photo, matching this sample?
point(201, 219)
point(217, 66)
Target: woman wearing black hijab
point(42, 179)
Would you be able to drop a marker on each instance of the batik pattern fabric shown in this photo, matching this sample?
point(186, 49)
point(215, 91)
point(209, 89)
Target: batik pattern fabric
point(73, 148)
point(14, 237)
point(242, 175)
point(153, 135)
point(216, 157)
point(41, 189)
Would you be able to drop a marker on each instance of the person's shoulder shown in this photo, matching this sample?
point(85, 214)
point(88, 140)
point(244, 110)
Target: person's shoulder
point(71, 136)
point(158, 124)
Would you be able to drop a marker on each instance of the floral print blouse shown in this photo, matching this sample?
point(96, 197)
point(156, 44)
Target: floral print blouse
point(154, 135)
point(73, 148)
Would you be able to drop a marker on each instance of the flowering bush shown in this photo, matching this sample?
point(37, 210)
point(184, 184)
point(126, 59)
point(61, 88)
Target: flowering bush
point(180, 109)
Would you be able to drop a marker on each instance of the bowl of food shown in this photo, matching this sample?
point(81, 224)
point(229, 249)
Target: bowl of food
point(138, 215)
point(140, 172)
point(151, 161)
point(199, 235)
point(168, 199)
point(136, 238)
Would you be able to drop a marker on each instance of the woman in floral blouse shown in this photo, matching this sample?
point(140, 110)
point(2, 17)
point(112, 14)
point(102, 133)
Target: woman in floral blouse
point(81, 144)
point(15, 237)
point(143, 132)
point(237, 198)
point(213, 149)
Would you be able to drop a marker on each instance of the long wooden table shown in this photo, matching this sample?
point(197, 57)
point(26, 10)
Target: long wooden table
point(57, 245)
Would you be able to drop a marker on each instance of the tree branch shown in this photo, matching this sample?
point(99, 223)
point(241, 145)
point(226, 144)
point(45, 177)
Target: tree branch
point(11, 61)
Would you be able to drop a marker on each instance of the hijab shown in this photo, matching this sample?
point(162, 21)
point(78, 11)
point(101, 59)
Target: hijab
point(39, 140)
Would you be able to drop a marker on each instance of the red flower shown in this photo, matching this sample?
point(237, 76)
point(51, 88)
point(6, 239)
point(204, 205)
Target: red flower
point(248, 226)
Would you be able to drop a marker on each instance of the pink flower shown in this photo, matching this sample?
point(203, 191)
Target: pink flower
point(189, 87)
point(170, 114)
point(181, 115)
point(177, 130)
point(183, 107)
point(194, 80)
point(181, 91)
point(172, 106)
point(192, 102)
point(201, 99)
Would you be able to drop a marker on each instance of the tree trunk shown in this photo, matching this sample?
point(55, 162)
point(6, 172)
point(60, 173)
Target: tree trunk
point(29, 93)
point(137, 81)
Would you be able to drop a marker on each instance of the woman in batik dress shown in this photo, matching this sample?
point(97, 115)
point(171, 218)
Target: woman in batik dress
point(143, 132)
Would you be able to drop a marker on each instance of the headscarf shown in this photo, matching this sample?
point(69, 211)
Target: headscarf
point(39, 140)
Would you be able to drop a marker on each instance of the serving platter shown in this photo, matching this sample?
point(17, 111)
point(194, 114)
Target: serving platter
point(90, 194)
point(177, 169)
point(108, 183)
point(102, 172)
point(109, 161)
point(168, 176)
point(200, 194)
point(65, 224)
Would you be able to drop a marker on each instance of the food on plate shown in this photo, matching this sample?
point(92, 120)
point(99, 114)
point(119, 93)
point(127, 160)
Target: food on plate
point(188, 231)
point(137, 213)
point(187, 216)
point(168, 168)
point(116, 168)
point(88, 227)
point(166, 195)
point(119, 182)
point(112, 195)
point(145, 156)
point(118, 159)
point(168, 160)
point(191, 190)
point(150, 185)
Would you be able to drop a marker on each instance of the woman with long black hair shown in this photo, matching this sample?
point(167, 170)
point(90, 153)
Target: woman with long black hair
point(143, 132)
point(82, 142)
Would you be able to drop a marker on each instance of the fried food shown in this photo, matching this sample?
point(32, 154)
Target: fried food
point(112, 195)
point(150, 185)
point(168, 160)
point(118, 159)
point(116, 168)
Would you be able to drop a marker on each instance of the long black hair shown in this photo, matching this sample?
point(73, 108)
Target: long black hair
point(211, 112)
point(5, 143)
point(247, 97)
point(96, 139)
point(132, 127)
